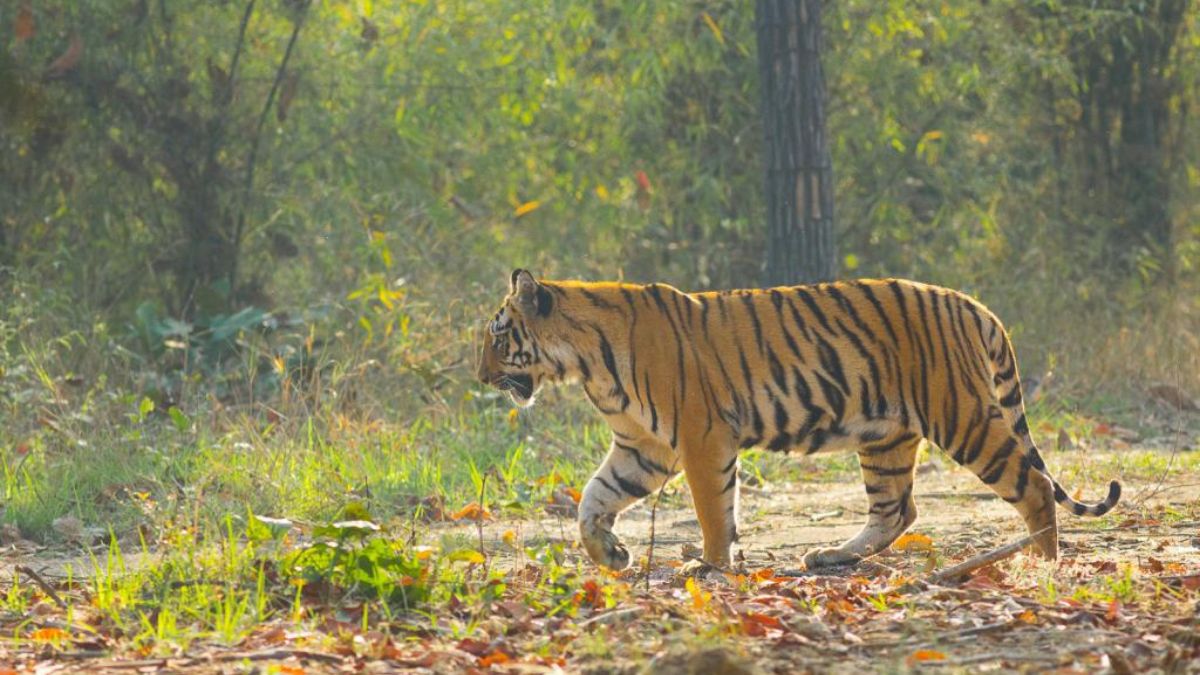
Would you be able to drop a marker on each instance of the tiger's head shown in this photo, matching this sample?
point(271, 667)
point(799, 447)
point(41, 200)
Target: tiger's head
point(517, 343)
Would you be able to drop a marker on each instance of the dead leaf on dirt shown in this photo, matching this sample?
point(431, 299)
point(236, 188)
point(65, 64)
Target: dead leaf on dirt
point(922, 655)
point(913, 541)
point(494, 659)
point(756, 624)
point(49, 635)
point(67, 61)
point(472, 511)
point(1113, 613)
point(700, 598)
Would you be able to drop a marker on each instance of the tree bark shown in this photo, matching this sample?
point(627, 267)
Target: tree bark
point(799, 170)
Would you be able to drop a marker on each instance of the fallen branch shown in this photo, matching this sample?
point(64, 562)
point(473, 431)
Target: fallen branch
point(270, 655)
point(971, 564)
point(609, 618)
point(46, 588)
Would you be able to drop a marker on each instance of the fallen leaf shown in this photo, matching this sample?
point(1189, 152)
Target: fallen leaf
point(1028, 617)
point(494, 659)
point(765, 574)
point(922, 655)
point(289, 670)
point(50, 635)
point(1113, 614)
point(467, 555)
point(472, 511)
point(913, 541)
point(527, 207)
point(68, 59)
point(700, 598)
point(24, 26)
point(756, 625)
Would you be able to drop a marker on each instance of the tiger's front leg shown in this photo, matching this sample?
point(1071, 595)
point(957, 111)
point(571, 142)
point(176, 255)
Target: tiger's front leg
point(633, 469)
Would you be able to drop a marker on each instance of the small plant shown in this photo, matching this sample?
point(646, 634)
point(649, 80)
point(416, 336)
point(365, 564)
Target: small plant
point(351, 557)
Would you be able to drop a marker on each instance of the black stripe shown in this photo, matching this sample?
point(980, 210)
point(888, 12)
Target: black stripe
point(777, 373)
point(1021, 426)
point(833, 397)
point(732, 482)
point(887, 471)
point(994, 469)
point(633, 488)
point(832, 363)
point(799, 321)
point(650, 402)
point(883, 449)
point(610, 362)
point(647, 465)
point(608, 485)
point(808, 300)
point(748, 300)
point(887, 323)
point(1013, 398)
point(597, 300)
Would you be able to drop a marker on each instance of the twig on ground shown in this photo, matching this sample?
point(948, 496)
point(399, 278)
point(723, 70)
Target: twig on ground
point(943, 494)
point(46, 588)
point(994, 656)
point(270, 655)
point(943, 637)
point(609, 618)
point(982, 559)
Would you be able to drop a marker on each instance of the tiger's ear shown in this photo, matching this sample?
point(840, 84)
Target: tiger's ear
point(531, 297)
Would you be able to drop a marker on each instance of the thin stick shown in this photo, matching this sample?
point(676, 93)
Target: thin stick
point(487, 561)
point(654, 520)
point(37, 579)
point(984, 559)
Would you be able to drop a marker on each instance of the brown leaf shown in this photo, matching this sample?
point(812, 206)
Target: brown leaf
point(472, 511)
point(24, 26)
point(67, 61)
point(1065, 442)
point(219, 79)
point(287, 92)
point(370, 32)
point(1172, 395)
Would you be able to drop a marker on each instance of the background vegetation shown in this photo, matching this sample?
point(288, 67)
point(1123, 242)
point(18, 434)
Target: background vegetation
point(245, 246)
point(276, 224)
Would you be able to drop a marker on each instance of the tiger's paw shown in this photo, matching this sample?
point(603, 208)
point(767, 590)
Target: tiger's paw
point(829, 557)
point(694, 568)
point(605, 549)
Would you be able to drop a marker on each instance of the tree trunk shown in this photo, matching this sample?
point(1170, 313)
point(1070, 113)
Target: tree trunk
point(799, 171)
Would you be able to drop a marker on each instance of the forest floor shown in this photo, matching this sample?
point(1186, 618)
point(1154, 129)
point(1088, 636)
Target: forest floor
point(1125, 596)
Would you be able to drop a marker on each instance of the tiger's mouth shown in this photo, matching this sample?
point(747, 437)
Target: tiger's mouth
point(518, 386)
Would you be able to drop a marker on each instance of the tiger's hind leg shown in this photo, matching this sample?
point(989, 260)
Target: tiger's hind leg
point(1007, 461)
point(632, 470)
point(887, 469)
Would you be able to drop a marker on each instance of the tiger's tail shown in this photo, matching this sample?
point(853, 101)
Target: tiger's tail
point(1007, 383)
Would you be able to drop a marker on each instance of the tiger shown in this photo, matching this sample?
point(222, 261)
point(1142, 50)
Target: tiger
point(686, 381)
